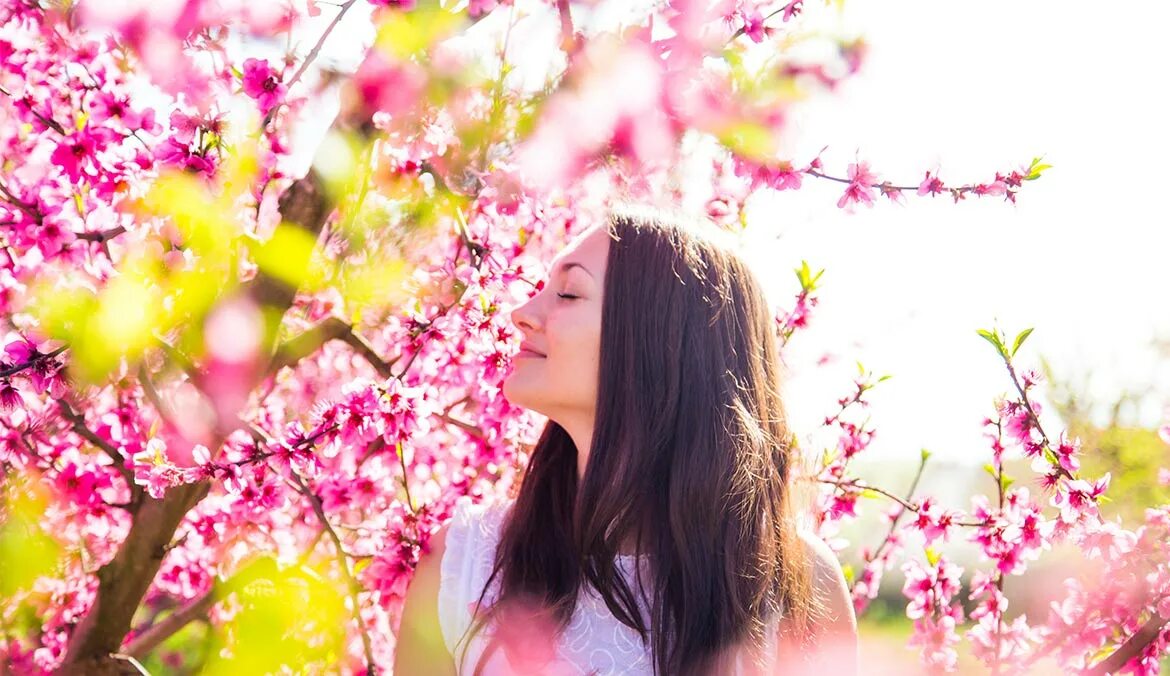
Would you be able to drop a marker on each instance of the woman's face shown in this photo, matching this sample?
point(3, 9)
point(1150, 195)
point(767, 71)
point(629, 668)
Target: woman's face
point(562, 324)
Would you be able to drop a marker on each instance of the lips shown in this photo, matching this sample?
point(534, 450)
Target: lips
point(527, 350)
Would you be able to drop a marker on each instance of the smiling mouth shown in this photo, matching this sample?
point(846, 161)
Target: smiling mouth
point(530, 354)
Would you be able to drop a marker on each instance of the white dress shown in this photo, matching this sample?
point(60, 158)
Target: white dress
point(594, 642)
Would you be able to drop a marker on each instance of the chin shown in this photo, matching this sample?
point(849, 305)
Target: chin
point(518, 395)
point(515, 392)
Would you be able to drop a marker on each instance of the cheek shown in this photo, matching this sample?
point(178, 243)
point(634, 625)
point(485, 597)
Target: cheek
point(576, 345)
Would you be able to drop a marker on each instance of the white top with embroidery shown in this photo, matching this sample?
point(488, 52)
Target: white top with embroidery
point(594, 642)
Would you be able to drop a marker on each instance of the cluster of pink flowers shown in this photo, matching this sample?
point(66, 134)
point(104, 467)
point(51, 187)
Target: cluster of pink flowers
point(932, 590)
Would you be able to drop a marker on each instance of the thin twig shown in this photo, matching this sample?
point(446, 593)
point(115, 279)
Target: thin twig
point(26, 207)
point(1034, 417)
point(17, 368)
point(52, 124)
point(343, 561)
point(858, 485)
point(743, 29)
point(77, 422)
point(151, 393)
point(465, 426)
point(909, 495)
point(405, 477)
point(102, 235)
point(320, 42)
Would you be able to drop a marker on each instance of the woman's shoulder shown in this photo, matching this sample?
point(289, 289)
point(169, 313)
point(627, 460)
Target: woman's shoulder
point(464, 565)
point(486, 512)
point(830, 585)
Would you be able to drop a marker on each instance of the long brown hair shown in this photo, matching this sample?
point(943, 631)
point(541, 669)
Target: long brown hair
point(691, 457)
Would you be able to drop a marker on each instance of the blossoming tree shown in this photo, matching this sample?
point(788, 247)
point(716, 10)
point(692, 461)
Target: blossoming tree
point(238, 399)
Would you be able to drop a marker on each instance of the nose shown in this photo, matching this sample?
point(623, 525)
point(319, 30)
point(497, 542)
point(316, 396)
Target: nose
point(524, 316)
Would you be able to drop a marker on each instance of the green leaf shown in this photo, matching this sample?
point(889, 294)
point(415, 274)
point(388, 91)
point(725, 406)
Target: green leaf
point(286, 256)
point(1020, 340)
point(1035, 169)
point(993, 339)
point(802, 274)
point(932, 556)
point(749, 139)
point(925, 455)
point(402, 34)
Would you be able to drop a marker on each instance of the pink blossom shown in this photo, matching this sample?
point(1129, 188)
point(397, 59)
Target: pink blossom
point(477, 8)
point(936, 638)
point(931, 185)
point(1065, 452)
point(1077, 499)
point(933, 521)
point(154, 471)
point(930, 588)
point(893, 193)
point(10, 397)
point(778, 177)
point(1020, 424)
point(854, 439)
point(262, 82)
point(861, 184)
point(997, 187)
point(21, 351)
point(753, 24)
point(1030, 378)
point(1004, 643)
point(74, 154)
point(391, 87)
point(843, 504)
point(390, 571)
point(404, 5)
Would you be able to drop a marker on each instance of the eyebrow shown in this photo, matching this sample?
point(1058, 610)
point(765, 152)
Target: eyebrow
point(564, 267)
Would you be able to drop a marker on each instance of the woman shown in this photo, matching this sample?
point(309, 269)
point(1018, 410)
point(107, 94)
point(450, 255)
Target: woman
point(654, 531)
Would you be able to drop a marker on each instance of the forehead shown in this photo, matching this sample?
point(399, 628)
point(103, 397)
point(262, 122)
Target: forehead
point(590, 248)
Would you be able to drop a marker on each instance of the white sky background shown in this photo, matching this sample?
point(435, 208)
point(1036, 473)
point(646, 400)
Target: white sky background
point(975, 88)
point(968, 88)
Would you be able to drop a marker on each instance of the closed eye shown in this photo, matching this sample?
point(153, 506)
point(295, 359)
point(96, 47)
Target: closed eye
point(566, 296)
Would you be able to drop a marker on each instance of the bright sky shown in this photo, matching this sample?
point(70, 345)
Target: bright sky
point(972, 88)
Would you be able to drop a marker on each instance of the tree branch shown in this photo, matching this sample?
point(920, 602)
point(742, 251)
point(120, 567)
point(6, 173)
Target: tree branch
point(294, 349)
point(150, 639)
point(344, 7)
point(465, 426)
point(17, 368)
point(124, 581)
point(101, 235)
point(569, 42)
point(77, 424)
point(1130, 649)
